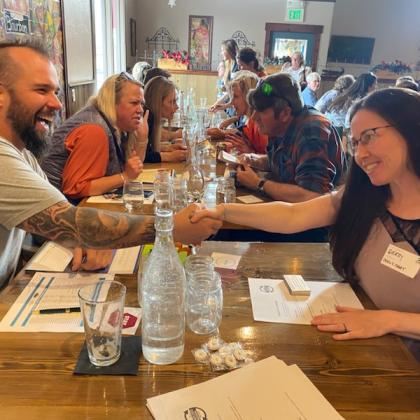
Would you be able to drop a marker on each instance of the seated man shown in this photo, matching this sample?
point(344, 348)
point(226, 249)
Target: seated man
point(91, 152)
point(304, 157)
point(28, 202)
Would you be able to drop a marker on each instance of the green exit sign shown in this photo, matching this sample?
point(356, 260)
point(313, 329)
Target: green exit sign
point(295, 15)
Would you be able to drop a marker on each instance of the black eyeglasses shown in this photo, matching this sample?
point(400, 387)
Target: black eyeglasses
point(366, 137)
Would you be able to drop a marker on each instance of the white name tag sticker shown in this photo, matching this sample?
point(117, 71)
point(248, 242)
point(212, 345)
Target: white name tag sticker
point(400, 260)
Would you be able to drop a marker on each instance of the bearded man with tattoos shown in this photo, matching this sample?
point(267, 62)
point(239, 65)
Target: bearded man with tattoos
point(28, 202)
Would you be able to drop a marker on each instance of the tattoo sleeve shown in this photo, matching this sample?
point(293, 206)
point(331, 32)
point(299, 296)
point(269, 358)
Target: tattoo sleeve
point(92, 228)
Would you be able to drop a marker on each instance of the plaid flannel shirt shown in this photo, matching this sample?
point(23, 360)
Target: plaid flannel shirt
point(308, 155)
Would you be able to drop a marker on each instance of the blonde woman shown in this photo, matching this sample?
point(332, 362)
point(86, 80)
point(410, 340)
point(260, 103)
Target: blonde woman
point(160, 99)
point(246, 137)
point(92, 152)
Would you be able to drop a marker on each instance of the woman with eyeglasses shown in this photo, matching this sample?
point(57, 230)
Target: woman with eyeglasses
point(161, 102)
point(101, 146)
point(374, 219)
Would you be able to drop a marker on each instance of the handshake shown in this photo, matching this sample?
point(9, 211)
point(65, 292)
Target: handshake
point(194, 223)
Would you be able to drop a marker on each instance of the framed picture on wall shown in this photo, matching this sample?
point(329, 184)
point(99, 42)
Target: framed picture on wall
point(200, 36)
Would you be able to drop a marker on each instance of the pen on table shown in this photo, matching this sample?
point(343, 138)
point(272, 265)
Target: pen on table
point(57, 311)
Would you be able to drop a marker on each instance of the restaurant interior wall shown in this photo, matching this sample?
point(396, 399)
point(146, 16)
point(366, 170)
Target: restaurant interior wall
point(395, 25)
point(229, 16)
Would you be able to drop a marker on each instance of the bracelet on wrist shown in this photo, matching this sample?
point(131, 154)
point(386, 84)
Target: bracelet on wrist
point(122, 177)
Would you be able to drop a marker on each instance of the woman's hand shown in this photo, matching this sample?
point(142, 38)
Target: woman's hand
point(142, 132)
point(216, 213)
point(239, 143)
point(174, 156)
point(133, 167)
point(355, 323)
point(215, 133)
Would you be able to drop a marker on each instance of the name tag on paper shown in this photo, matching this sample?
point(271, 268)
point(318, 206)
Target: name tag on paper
point(400, 260)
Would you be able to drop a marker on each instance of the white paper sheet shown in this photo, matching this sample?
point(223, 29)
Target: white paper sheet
point(55, 258)
point(58, 290)
point(147, 176)
point(272, 302)
point(50, 257)
point(265, 390)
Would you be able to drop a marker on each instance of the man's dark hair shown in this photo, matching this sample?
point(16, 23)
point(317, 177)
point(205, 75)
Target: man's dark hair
point(8, 69)
point(277, 91)
point(154, 72)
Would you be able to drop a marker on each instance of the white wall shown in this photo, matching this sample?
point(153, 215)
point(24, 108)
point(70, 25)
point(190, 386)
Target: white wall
point(395, 25)
point(249, 16)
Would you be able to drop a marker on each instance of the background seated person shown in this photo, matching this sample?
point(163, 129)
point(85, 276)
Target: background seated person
point(339, 108)
point(309, 93)
point(378, 207)
point(296, 68)
point(247, 60)
point(407, 82)
point(304, 157)
point(91, 153)
point(341, 84)
point(166, 135)
point(160, 97)
point(247, 137)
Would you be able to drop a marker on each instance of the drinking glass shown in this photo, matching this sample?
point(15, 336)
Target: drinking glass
point(133, 195)
point(102, 307)
point(163, 189)
point(179, 194)
point(204, 302)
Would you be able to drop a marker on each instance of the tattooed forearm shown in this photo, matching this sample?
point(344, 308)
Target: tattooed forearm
point(92, 228)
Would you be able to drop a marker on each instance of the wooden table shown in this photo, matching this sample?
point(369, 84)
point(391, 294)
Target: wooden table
point(363, 379)
point(179, 167)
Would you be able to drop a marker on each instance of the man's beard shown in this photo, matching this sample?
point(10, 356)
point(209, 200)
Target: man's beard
point(23, 124)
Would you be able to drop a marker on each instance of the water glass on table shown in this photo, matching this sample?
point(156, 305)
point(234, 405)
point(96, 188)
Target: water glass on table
point(133, 195)
point(204, 302)
point(102, 307)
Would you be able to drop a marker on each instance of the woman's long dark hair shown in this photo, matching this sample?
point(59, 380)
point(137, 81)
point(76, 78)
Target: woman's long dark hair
point(362, 201)
point(357, 90)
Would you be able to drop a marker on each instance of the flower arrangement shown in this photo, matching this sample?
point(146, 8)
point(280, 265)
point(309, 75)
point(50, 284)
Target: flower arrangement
point(178, 56)
point(396, 66)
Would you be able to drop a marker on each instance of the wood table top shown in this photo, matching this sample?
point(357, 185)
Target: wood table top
point(363, 379)
point(179, 168)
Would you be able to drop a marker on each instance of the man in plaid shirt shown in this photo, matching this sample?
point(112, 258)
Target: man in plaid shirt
point(304, 156)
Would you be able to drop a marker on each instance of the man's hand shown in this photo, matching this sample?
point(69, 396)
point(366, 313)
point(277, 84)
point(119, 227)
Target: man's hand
point(133, 167)
point(91, 259)
point(193, 233)
point(247, 177)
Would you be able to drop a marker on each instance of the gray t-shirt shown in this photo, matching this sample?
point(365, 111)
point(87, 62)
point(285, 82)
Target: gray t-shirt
point(24, 192)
